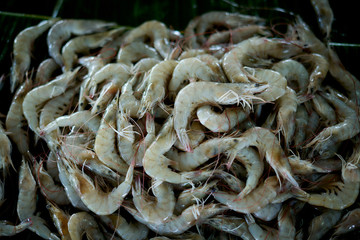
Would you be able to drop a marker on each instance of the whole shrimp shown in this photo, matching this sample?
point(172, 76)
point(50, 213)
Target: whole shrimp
point(23, 45)
point(234, 225)
point(135, 51)
point(210, 93)
point(62, 31)
point(82, 222)
point(321, 224)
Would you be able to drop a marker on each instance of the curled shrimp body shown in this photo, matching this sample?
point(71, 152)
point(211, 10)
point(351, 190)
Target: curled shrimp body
point(158, 210)
point(82, 222)
point(23, 44)
point(269, 212)
point(293, 71)
point(189, 70)
point(105, 96)
point(261, 196)
point(221, 122)
point(215, 66)
point(7, 229)
point(260, 232)
point(44, 71)
point(325, 15)
point(210, 93)
point(60, 219)
point(135, 51)
point(34, 99)
point(189, 53)
point(127, 231)
point(255, 52)
point(155, 90)
point(196, 135)
point(321, 224)
point(233, 225)
point(5, 151)
point(156, 31)
point(62, 31)
point(325, 111)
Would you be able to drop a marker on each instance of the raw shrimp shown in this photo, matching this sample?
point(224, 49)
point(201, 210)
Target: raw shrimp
point(5, 151)
point(158, 210)
point(7, 229)
point(82, 222)
point(210, 93)
point(60, 219)
point(34, 99)
point(286, 222)
point(189, 53)
point(268, 212)
point(325, 111)
point(179, 224)
point(2, 192)
point(321, 224)
point(126, 230)
point(156, 31)
point(349, 222)
point(351, 168)
point(196, 135)
point(260, 232)
point(45, 71)
point(306, 167)
point(254, 201)
point(233, 225)
point(128, 103)
point(255, 52)
point(110, 50)
point(189, 70)
point(155, 89)
point(135, 51)
point(106, 95)
point(318, 66)
point(23, 44)
point(215, 66)
point(62, 31)
point(143, 66)
point(295, 73)
point(301, 121)
point(105, 141)
point(325, 15)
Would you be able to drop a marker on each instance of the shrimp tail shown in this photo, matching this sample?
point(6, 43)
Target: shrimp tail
point(184, 139)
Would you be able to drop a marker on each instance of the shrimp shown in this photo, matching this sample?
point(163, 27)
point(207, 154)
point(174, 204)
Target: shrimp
point(301, 121)
point(286, 222)
point(158, 210)
point(351, 169)
point(5, 151)
point(346, 129)
point(260, 232)
point(128, 103)
point(233, 225)
point(126, 230)
point(325, 15)
point(156, 85)
point(210, 93)
point(321, 224)
point(135, 51)
point(254, 201)
point(23, 44)
point(106, 95)
point(179, 224)
point(196, 135)
point(62, 31)
point(349, 222)
point(255, 52)
point(7, 229)
point(2, 192)
point(191, 53)
point(306, 167)
point(45, 71)
point(156, 31)
point(60, 219)
point(215, 66)
point(318, 66)
point(83, 222)
point(34, 99)
point(325, 111)
point(295, 73)
point(105, 140)
point(110, 50)
point(189, 70)
point(268, 212)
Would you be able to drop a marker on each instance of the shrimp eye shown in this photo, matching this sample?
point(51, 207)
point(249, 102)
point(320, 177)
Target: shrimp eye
point(257, 85)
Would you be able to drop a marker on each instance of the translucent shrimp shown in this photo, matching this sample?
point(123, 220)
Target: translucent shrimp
point(260, 232)
point(179, 224)
point(318, 66)
point(60, 219)
point(321, 224)
point(210, 93)
point(156, 86)
point(215, 66)
point(5, 151)
point(7, 229)
point(325, 111)
point(301, 121)
point(254, 201)
point(295, 73)
point(83, 44)
point(189, 70)
point(106, 94)
point(233, 225)
point(128, 103)
point(269, 212)
point(305, 167)
point(135, 51)
point(156, 31)
point(349, 222)
point(62, 31)
point(196, 135)
point(105, 141)
point(45, 71)
point(23, 44)
point(346, 129)
point(34, 99)
point(255, 52)
point(325, 15)
point(82, 222)
point(189, 53)
point(159, 209)
point(286, 222)
point(126, 230)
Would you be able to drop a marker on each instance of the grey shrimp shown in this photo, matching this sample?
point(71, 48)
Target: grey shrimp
point(260, 232)
point(5, 151)
point(268, 212)
point(83, 222)
point(23, 44)
point(196, 135)
point(286, 222)
point(301, 121)
point(325, 15)
point(62, 31)
point(321, 224)
point(233, 225)
point(215, 66)
point(135, 51)
point(7, 229)
point(325, 111)
point(45, 71)
point(349, 222)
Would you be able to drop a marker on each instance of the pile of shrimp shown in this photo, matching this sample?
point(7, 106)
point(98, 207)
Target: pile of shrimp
point(226, 130)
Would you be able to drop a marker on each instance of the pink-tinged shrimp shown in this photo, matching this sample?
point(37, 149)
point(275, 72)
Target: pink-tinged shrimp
point(234, 225)
point(155, 90)
point(325, 15)
point(5, 151)
point(261, 196)
point(34, 99)
point(321, 224)
point(156, 31)
point(23, 44)
point(348, 223)
point(60, 220)
point(269, 212)
point(325, 111)
point(186, 71)
point(126, 230)
point(295, 73)
point(7, 229)
point(135, 51)
point(255, 52)
point(82, 222)
point(209, 93)
point(45, 71)
point(64, 29)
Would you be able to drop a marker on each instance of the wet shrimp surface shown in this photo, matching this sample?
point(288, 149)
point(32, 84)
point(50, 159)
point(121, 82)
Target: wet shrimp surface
point(229, 131)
